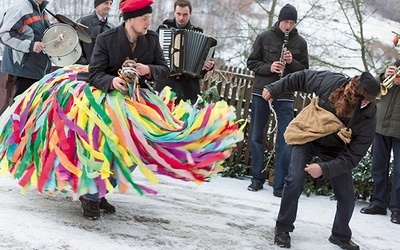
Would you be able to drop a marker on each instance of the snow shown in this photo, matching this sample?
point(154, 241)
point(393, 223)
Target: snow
point(220, 214)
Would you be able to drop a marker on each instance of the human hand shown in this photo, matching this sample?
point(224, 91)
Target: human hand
point(287, 57)
point(142, 69)
point(208, 65)
point(266, 95)
point(276, 67)
point(314, 170)
point(119, 84)
point(38, 47)
point(390, 71)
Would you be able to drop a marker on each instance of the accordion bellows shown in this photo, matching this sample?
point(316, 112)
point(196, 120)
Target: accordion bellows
point(63, 134)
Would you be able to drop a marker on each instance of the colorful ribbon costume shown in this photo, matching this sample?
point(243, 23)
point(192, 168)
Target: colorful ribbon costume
point(65, 134)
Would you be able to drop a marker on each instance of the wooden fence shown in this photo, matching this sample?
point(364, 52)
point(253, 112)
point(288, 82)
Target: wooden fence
point(234, 85)
point(6, 90)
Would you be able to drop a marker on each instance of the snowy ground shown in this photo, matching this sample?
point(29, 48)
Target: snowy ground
point(220, 214)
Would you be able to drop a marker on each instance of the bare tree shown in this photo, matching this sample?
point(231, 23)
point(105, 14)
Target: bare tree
point(333, 29)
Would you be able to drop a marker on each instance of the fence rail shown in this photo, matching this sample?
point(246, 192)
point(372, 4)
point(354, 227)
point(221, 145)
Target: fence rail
point(235, 87)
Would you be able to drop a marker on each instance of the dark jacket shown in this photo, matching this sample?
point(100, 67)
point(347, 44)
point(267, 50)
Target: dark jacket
point(322, 84)
point(267, 49)
point(95, 27)
point(111, 50)
point(171, 23)
point(388, 114)
point(23, 24)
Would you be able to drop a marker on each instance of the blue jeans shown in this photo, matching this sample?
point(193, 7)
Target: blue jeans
point(95, 196)
point(294, 185)
point(383, 146)
point(260, 112)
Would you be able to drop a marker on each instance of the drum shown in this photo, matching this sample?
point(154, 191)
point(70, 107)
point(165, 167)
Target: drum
point(62, 44)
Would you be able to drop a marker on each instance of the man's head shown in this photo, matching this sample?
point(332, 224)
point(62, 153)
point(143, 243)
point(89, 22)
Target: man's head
point(135, 8)
point(103, 7)
point(358, 92)
point(287, 17)
point(137, 15)
point(182, 12)
point(370, 86)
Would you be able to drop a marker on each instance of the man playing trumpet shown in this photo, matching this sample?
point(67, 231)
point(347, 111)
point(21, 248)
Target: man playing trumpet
point(387, 138)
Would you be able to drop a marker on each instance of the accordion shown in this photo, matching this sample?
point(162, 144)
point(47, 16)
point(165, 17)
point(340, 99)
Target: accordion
point(186, 50)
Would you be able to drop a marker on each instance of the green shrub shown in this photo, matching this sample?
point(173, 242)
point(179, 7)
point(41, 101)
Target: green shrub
point(363, 183)
point(234, 170)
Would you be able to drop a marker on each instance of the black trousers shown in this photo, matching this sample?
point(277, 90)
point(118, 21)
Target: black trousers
point(21, 84)
point(185, 88)
point(294, 185)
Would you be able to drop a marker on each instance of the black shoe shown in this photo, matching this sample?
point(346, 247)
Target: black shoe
point(90, 209)
point(373, 209)
point(282, 239)
point(105, 206)
point(395, 217)
point(349, 245)
point(278, 193)
point(255, 186)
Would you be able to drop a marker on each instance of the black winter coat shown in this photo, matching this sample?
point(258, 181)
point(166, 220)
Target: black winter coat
point(95, 27)
point(322, 84)
point(267, 49)
point(111, 50)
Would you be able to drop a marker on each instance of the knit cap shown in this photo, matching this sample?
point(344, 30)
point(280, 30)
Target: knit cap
point(288, 12)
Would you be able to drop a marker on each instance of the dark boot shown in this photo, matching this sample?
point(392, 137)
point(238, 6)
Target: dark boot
point(90, 209)
point(373, 209)
point(255, 186)
point(282, 239)
point(349, 244)
point(105, 206)
point(395, 217)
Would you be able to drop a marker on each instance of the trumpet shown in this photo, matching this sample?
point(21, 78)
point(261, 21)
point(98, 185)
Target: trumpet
point(389, 82)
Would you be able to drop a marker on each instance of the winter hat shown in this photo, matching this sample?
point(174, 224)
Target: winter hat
point(97, 2)
point(135, 8)
point(370, 84)
point(288, 12)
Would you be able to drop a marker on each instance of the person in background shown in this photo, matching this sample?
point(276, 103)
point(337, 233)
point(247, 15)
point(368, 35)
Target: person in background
point(349, 102)
point(97, 22)
point(268, 60)
point(387, 138)
point(185, 87)
point(132, 39)
point(21, 30)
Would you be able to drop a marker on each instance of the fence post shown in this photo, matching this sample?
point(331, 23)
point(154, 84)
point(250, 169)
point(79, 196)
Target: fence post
point(6, 90)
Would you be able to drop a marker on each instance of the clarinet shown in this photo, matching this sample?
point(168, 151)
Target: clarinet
point(284, 48)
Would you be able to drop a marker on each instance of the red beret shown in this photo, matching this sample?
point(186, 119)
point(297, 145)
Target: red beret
point(134, 5)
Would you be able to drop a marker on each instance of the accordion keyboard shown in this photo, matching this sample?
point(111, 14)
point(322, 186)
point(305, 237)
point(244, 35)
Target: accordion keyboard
point(165, 38)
